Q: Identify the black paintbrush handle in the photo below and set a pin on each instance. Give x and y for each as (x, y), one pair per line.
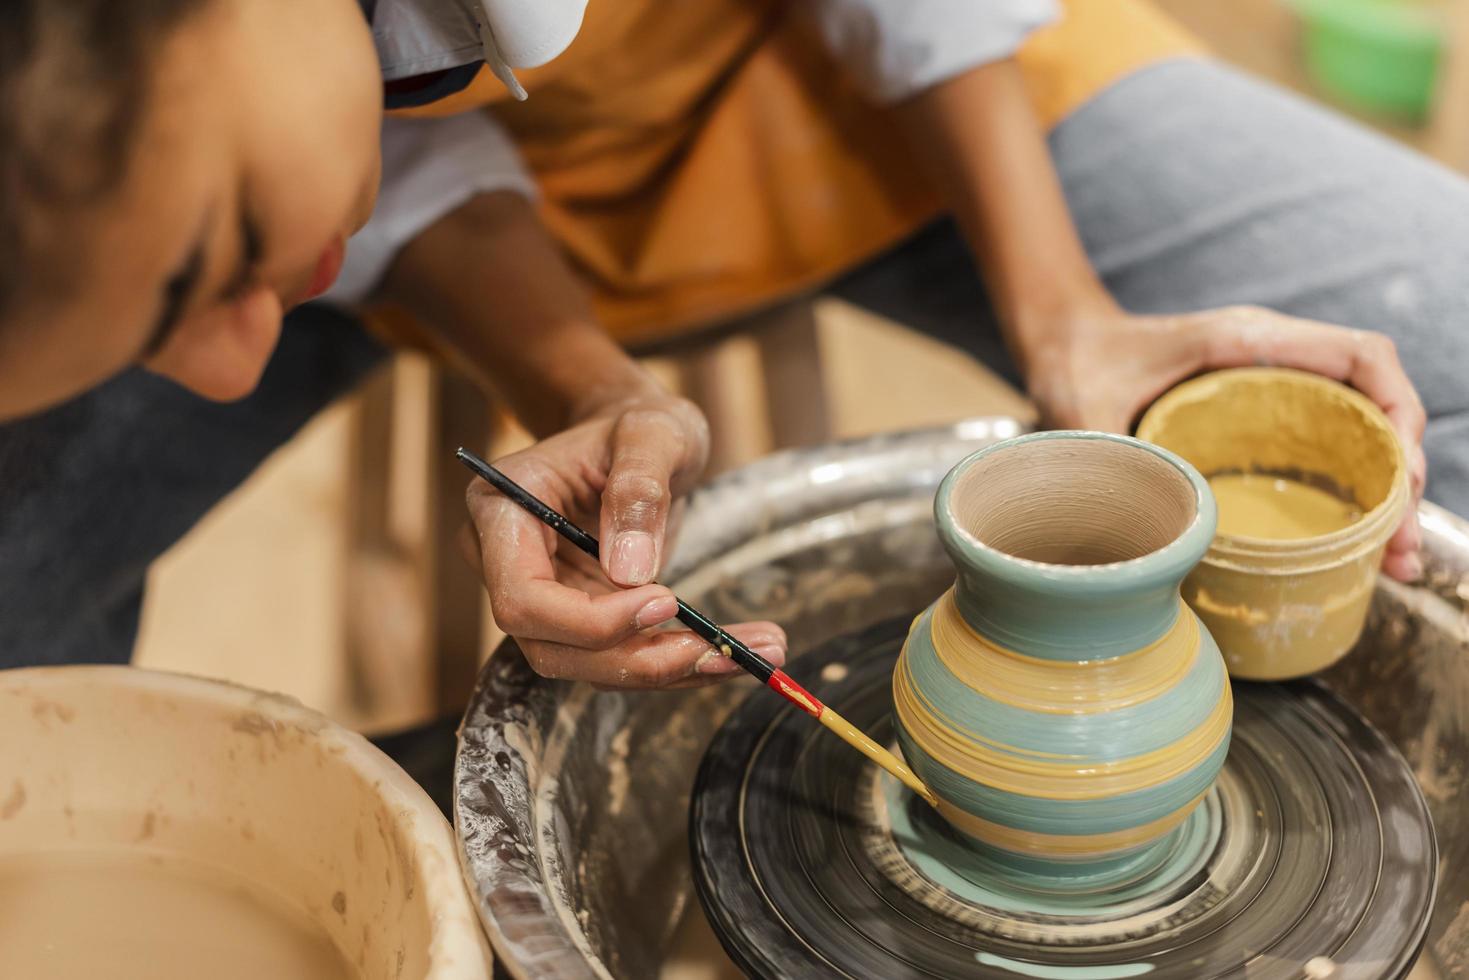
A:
(716, 637)
(706, 628)
(530, 502)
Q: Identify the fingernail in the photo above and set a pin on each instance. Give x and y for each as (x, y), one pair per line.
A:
(713, 662)
(775, 654)
(1414, 567)
(633, 555)
(657, 612)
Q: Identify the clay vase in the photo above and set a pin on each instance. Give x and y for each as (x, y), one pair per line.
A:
(1060, 699)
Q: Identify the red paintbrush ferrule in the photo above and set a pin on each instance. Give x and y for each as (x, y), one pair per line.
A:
(781, 683)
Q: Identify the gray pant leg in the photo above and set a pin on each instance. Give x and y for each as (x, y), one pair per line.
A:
(1193, 187)
(92, 491)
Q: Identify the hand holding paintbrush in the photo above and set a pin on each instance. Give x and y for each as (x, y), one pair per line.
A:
(728, 645)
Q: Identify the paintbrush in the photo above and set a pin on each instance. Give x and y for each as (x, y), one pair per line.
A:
(763, 670)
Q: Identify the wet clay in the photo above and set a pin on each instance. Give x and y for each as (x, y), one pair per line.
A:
(1257, 505)
(128, 913)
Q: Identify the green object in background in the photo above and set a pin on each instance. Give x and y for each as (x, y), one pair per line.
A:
(1377, 55)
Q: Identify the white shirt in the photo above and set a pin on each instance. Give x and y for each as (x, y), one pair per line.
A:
(893, 48)
(897, 48)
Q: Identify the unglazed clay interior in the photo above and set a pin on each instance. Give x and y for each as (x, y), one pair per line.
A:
(1073, 501)
(151, 806)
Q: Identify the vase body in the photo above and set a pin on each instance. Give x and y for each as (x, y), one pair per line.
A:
(1061, 700)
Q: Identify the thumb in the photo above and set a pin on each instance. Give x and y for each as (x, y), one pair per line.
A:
(647, 449)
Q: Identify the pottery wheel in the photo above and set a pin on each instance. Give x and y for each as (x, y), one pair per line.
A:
(1314, 855)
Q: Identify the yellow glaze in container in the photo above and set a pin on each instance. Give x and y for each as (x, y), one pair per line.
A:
(1283, 606)
(1261, 506)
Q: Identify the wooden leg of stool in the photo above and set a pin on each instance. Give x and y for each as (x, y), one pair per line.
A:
(383, 615)
(717, 378)
(454, 592)
(790, 355)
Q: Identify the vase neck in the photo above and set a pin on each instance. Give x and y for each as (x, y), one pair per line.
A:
(1066, 622)
(1072, 545)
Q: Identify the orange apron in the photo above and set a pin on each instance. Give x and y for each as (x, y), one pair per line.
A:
(702, 158)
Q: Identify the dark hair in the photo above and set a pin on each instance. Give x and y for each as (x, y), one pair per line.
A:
(74, 81)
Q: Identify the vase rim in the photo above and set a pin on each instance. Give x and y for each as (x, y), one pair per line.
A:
(1170, 561)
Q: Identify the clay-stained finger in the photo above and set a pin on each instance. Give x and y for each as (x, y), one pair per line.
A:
(1417, 472)
(1378, 373)
(584, 579)
(1368, 361)
(648, 448)
(687, 684)
(653, 661)
(1403, 560)
(528, 601)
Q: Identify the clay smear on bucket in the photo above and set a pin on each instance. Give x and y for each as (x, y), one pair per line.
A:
(130, 913)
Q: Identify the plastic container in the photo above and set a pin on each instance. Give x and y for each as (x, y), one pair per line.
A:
(1378, 55)
(271, 799)
(1286, 608)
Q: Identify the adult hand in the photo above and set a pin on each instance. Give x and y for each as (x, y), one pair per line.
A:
(619, 470)
(1101, 369)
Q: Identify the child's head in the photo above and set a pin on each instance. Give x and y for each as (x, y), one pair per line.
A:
(173, 173)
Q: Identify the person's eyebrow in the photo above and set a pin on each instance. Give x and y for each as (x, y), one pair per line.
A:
(183, 283)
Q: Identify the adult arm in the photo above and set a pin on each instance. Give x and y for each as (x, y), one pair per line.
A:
(1088, 363)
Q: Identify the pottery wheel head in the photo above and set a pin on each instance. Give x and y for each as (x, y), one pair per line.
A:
(1314, 846)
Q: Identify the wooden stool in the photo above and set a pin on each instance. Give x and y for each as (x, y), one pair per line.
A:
(408, 594)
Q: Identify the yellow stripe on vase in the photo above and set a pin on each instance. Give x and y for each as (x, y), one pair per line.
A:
(1062, 687)
(1059, 781)
(1049, 776)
